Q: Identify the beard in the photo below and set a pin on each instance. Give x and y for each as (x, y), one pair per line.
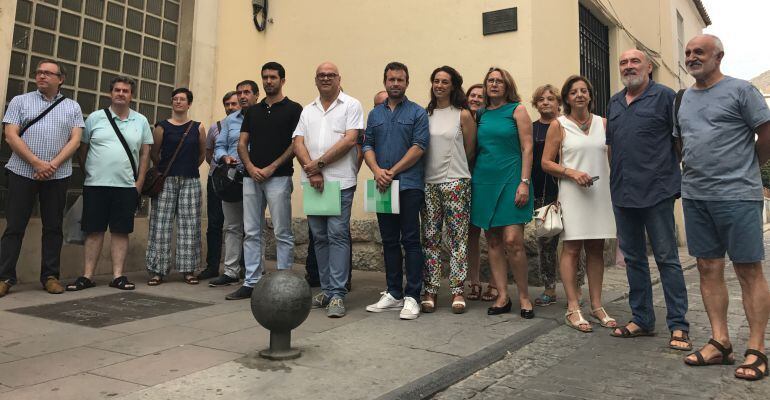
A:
(632, 81)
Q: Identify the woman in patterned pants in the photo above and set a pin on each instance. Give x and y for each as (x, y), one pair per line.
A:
(180, 198)
(447, 186)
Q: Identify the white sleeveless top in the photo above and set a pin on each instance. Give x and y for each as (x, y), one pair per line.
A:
(445, 159)
(586, 212)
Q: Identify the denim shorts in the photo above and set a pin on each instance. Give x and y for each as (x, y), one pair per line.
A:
(732, 226)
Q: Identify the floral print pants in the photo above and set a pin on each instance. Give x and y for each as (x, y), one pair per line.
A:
(447, 205)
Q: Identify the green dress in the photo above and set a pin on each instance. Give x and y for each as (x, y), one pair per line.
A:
(497, 173)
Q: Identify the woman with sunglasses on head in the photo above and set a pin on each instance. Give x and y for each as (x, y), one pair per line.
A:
(501, 201)
(584, 195)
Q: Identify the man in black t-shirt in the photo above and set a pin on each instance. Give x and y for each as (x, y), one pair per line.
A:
(265, 150)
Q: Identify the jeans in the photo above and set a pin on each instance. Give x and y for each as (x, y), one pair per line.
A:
(233, 213)
(311, 262)
(399, 230)
(332, 246)
(52, 195)
(659, 223)
(214, 230)
(274, 193)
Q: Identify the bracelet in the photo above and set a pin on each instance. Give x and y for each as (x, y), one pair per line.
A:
(564, 172)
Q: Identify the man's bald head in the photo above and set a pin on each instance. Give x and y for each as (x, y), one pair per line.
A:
(703, 56)
(380, 97)
(327, 80)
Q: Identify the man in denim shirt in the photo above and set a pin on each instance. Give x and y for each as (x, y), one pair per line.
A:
(644, 182)
(226, 152)
(396, 137)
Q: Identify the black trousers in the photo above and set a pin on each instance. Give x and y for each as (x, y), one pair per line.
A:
(214, 229)
(52, 195)
(311, 263)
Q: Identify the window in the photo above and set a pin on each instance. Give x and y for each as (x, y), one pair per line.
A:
(595, 58)
(97, 40)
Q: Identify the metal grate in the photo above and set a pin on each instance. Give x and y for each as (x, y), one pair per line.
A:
(96, 40)
(595, 58)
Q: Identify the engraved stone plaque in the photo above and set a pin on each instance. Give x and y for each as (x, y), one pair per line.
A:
(499, 21)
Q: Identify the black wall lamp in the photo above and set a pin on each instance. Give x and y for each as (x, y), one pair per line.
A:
(259, 8)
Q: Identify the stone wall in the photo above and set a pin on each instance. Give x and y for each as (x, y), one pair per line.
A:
(367, 248)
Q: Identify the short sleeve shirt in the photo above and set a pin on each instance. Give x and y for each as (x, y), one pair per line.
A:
(644, 169)
(322, 129)
(107, 163)
(47, 137)
(270, 129)
(718, 128)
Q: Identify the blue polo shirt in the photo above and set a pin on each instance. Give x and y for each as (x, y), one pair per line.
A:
(226, 143)
(643, 168)
(390, 134)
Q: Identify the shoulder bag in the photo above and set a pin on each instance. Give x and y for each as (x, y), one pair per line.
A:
(548, 219)
(153, 179)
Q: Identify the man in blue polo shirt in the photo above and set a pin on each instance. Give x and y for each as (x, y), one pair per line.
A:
(644, 183)
(396, 137)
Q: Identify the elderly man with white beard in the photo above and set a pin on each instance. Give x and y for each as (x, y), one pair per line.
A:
(645, 180)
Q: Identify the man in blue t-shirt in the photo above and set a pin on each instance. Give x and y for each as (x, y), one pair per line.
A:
(723, 199)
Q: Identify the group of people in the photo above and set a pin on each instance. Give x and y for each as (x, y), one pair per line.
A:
(467, 162)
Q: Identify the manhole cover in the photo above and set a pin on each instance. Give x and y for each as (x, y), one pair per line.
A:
(111, 309)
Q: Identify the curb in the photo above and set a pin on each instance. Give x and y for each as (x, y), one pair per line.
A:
(444, 377)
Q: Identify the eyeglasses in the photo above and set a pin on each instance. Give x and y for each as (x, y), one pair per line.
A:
(47, 74)
(495, 81)
(322, 77)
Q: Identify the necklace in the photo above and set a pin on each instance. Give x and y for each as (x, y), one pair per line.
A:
(584, 125)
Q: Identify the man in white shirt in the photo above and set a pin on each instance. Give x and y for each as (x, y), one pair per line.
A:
(325, 145)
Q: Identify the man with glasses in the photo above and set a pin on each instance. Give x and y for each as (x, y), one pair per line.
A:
(43, 130)
(325, 145)
(266, 152)
(226, 152)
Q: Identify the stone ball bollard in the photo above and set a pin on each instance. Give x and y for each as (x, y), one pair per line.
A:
(281, 301)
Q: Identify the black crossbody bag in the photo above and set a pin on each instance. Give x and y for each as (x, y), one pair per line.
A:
(42, 114)
(122, 141)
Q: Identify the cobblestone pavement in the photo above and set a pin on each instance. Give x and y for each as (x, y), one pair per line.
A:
(566, 364)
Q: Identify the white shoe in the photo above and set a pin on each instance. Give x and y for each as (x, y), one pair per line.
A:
(411, 309)
(386, 303)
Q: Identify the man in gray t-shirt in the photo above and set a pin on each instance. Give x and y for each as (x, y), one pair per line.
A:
(717, 121)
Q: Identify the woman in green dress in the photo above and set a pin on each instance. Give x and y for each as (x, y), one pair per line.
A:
(501, 203)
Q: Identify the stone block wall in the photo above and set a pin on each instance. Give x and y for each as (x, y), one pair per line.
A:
(367, 248)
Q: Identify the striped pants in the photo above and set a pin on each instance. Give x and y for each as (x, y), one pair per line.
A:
(180, 198)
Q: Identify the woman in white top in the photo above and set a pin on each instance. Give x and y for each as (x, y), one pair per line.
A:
(584, 194)
(447, 186)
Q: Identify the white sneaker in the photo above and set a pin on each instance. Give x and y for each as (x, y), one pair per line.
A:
(386, 303)
(411, 309)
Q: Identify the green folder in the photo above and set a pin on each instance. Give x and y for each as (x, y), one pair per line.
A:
(327, 202)
(386, 202)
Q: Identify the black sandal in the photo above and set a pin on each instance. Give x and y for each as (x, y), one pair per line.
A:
(626, 333)
(684, 338)
(80, 283)
(723, 359)
(122, 283)
(761, 359)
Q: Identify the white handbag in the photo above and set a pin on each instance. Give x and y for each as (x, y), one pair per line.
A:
(548, 221)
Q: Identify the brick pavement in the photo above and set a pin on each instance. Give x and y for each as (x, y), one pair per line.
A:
(566, 364)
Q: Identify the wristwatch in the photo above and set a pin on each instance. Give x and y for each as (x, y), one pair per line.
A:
(525, 180)
(321, 164)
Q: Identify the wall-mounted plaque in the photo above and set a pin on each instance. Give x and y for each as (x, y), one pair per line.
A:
(499, 21)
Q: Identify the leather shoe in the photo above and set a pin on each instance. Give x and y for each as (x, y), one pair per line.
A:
(500, 310)
(53, 286)
(527, 314)
(243, 292)
(4, 288)
(208, 274)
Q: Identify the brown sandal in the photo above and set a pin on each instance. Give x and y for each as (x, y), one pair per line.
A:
(475, 293)
(488, 295)
(154, 281)
(458, 303)
(758, 374)
(719, 359)
(191, 280)
(428, 303)
(685, 337)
